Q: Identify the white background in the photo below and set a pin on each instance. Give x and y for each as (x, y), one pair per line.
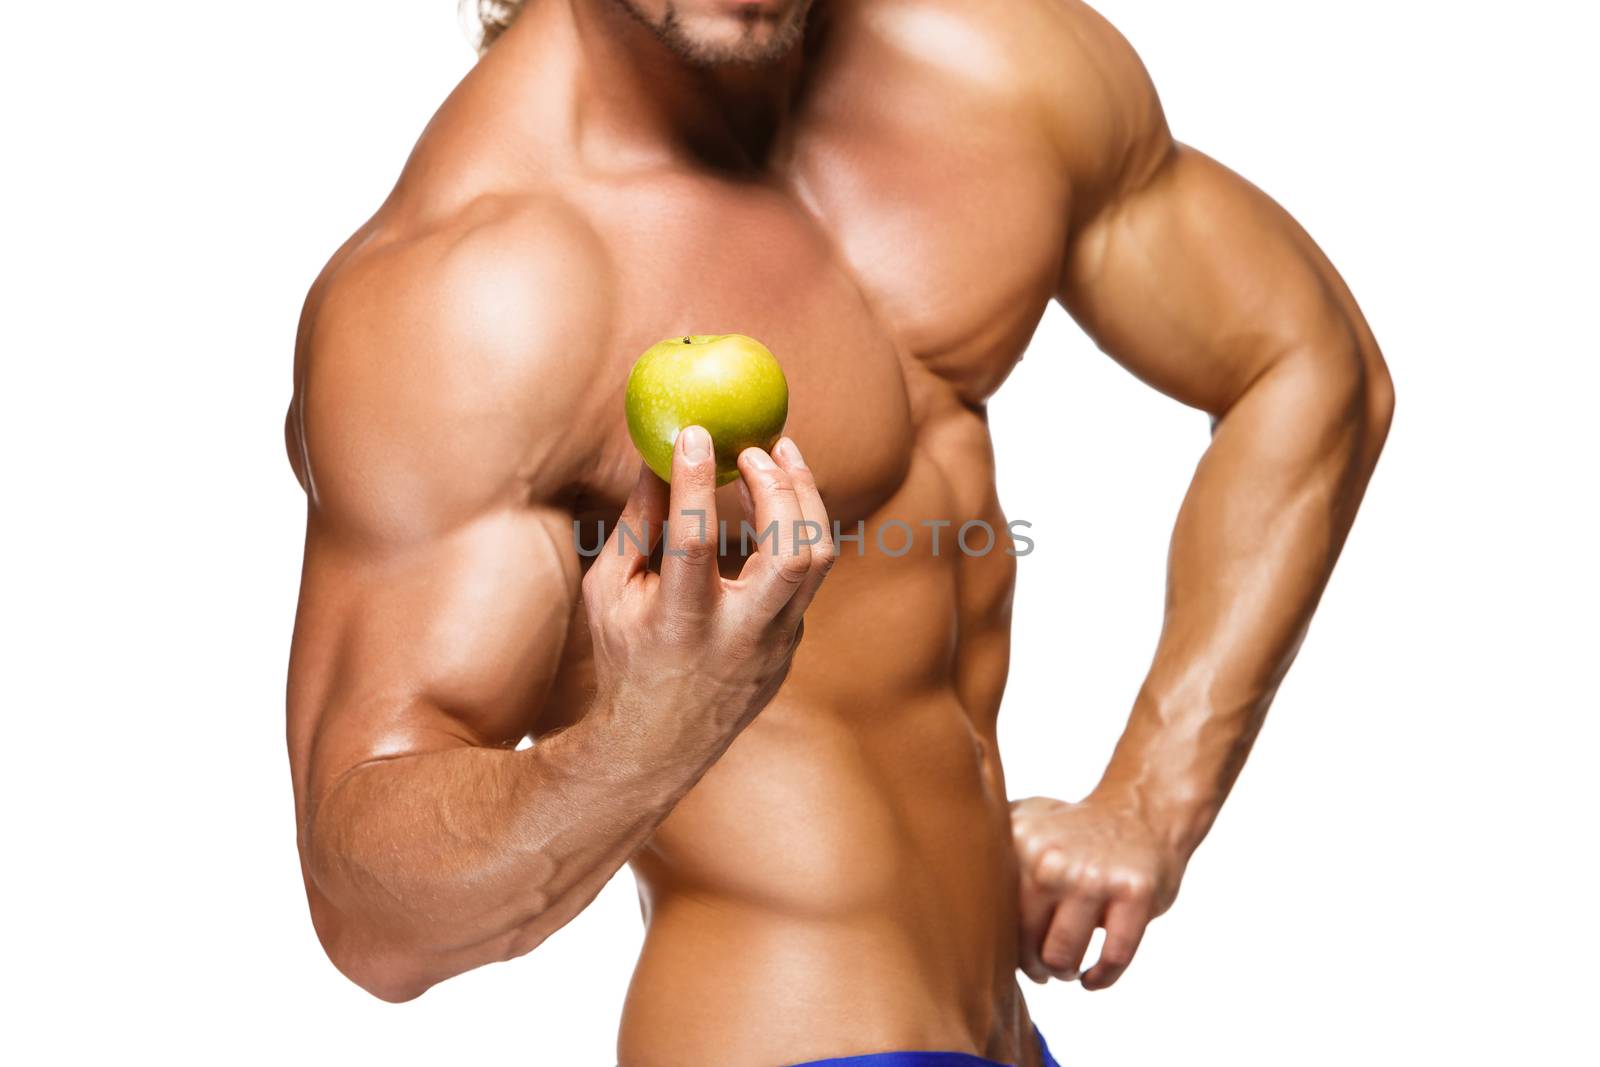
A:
(1405, 873)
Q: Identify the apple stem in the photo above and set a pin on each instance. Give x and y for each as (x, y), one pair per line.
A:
(688, 340)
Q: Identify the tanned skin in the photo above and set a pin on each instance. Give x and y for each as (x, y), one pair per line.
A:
(827, 858)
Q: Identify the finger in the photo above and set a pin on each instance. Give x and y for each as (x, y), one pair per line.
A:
(747, 503)
(1125, 923)
(1067, 940)
(1030, 844)
(689, 578)
(778, 567)
(626, 552)
(1035, 909)
(815, 529)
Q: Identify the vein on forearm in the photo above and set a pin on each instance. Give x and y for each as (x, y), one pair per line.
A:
(1254, 544)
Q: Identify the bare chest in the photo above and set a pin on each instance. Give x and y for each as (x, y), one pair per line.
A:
(891, 290)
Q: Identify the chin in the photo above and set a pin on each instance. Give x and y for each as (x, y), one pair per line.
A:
(721, 32)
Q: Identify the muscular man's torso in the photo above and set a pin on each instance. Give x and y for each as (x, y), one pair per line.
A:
(844, 876)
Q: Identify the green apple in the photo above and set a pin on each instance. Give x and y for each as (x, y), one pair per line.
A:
(727, 382)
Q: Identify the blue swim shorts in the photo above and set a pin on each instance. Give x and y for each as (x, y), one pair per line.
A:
(927, 1059)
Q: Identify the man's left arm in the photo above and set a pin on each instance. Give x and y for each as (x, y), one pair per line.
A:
(1204, 288)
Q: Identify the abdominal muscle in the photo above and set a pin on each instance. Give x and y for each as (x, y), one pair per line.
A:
(843, 880)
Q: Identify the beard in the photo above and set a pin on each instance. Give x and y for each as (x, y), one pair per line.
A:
(758, 43)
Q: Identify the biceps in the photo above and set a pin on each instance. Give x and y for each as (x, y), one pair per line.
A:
(1198, 282)
(445, 644)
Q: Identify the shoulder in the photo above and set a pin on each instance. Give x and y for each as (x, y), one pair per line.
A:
(1055, 66)
(439, 365)
(1100, 103)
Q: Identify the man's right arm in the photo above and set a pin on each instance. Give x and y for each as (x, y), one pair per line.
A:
(439, 581)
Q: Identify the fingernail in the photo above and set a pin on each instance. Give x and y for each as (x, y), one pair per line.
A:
(759, 459)
(696, 444)
(790, 452)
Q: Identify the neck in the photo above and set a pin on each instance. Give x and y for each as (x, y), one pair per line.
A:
(635, 93)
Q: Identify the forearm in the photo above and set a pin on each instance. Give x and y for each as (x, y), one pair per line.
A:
(1255, 542)
(437, 863)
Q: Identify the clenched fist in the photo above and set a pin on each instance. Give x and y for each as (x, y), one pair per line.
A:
(1087, 865)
